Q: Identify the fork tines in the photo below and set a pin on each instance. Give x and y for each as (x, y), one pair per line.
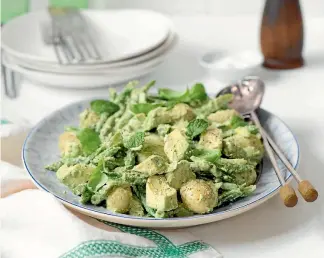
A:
(71, 37)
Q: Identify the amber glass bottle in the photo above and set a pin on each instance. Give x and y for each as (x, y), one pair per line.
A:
(282, 34)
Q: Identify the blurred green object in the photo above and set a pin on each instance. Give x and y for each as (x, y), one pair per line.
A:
(69, 3)
(13, 8)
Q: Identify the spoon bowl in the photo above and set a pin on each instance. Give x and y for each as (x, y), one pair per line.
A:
(248, 94)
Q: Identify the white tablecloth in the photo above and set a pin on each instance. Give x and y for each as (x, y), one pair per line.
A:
(35, 224)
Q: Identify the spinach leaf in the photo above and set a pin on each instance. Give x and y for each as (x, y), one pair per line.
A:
(196, 127)
(103, 106)
(86, 196)
(238, 121)
(253, 129)
(172, 94)
(111, 163)
(208, 155)
(136, 140)
(198, 92)
(143, 107)
(97, 178)
(89, 140)
(234, 193)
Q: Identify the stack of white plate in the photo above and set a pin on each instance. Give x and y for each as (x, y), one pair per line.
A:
(132, 42)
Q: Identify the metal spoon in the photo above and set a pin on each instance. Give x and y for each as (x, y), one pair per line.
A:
(247, 98)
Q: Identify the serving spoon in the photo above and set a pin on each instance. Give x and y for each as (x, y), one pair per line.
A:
(248, 95)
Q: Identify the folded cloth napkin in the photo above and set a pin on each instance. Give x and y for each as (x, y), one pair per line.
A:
(34, 224)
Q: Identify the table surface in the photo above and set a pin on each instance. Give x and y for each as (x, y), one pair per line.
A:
(296, 96)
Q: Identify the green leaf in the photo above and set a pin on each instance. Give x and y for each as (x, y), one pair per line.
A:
(237, 121)
(136, 140)
(86, 196)
(140, 192)
(233, 192)
(89, 140)
(198, 92)
(208, 155)
(253, 129)
(111, 163)
(103, 106)
(169, 94)
(196, 127)
(143, 107)
(97, 178)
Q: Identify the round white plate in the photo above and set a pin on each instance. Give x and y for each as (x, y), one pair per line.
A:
(119, 34)
(100, 68)
(41, 149)
(80, 81)
(86, 80)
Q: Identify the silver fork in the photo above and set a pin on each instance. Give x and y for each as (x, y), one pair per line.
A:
(51, 36)
(81, 25)
(74, 36)
(9, 79)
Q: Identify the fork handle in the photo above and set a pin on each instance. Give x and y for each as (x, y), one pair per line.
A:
(9, 80)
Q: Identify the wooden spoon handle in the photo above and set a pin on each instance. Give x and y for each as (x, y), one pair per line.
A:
(288, 195)
(307, 190)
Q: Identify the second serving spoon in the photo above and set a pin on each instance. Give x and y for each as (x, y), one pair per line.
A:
(247, 98)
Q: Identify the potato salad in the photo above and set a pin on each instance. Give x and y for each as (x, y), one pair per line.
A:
(170, 154)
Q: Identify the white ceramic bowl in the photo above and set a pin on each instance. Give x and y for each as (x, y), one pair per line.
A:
(84, 81)
(119, 34)
(99, 69)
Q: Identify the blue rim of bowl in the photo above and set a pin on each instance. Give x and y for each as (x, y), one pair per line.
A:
(123, 216)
